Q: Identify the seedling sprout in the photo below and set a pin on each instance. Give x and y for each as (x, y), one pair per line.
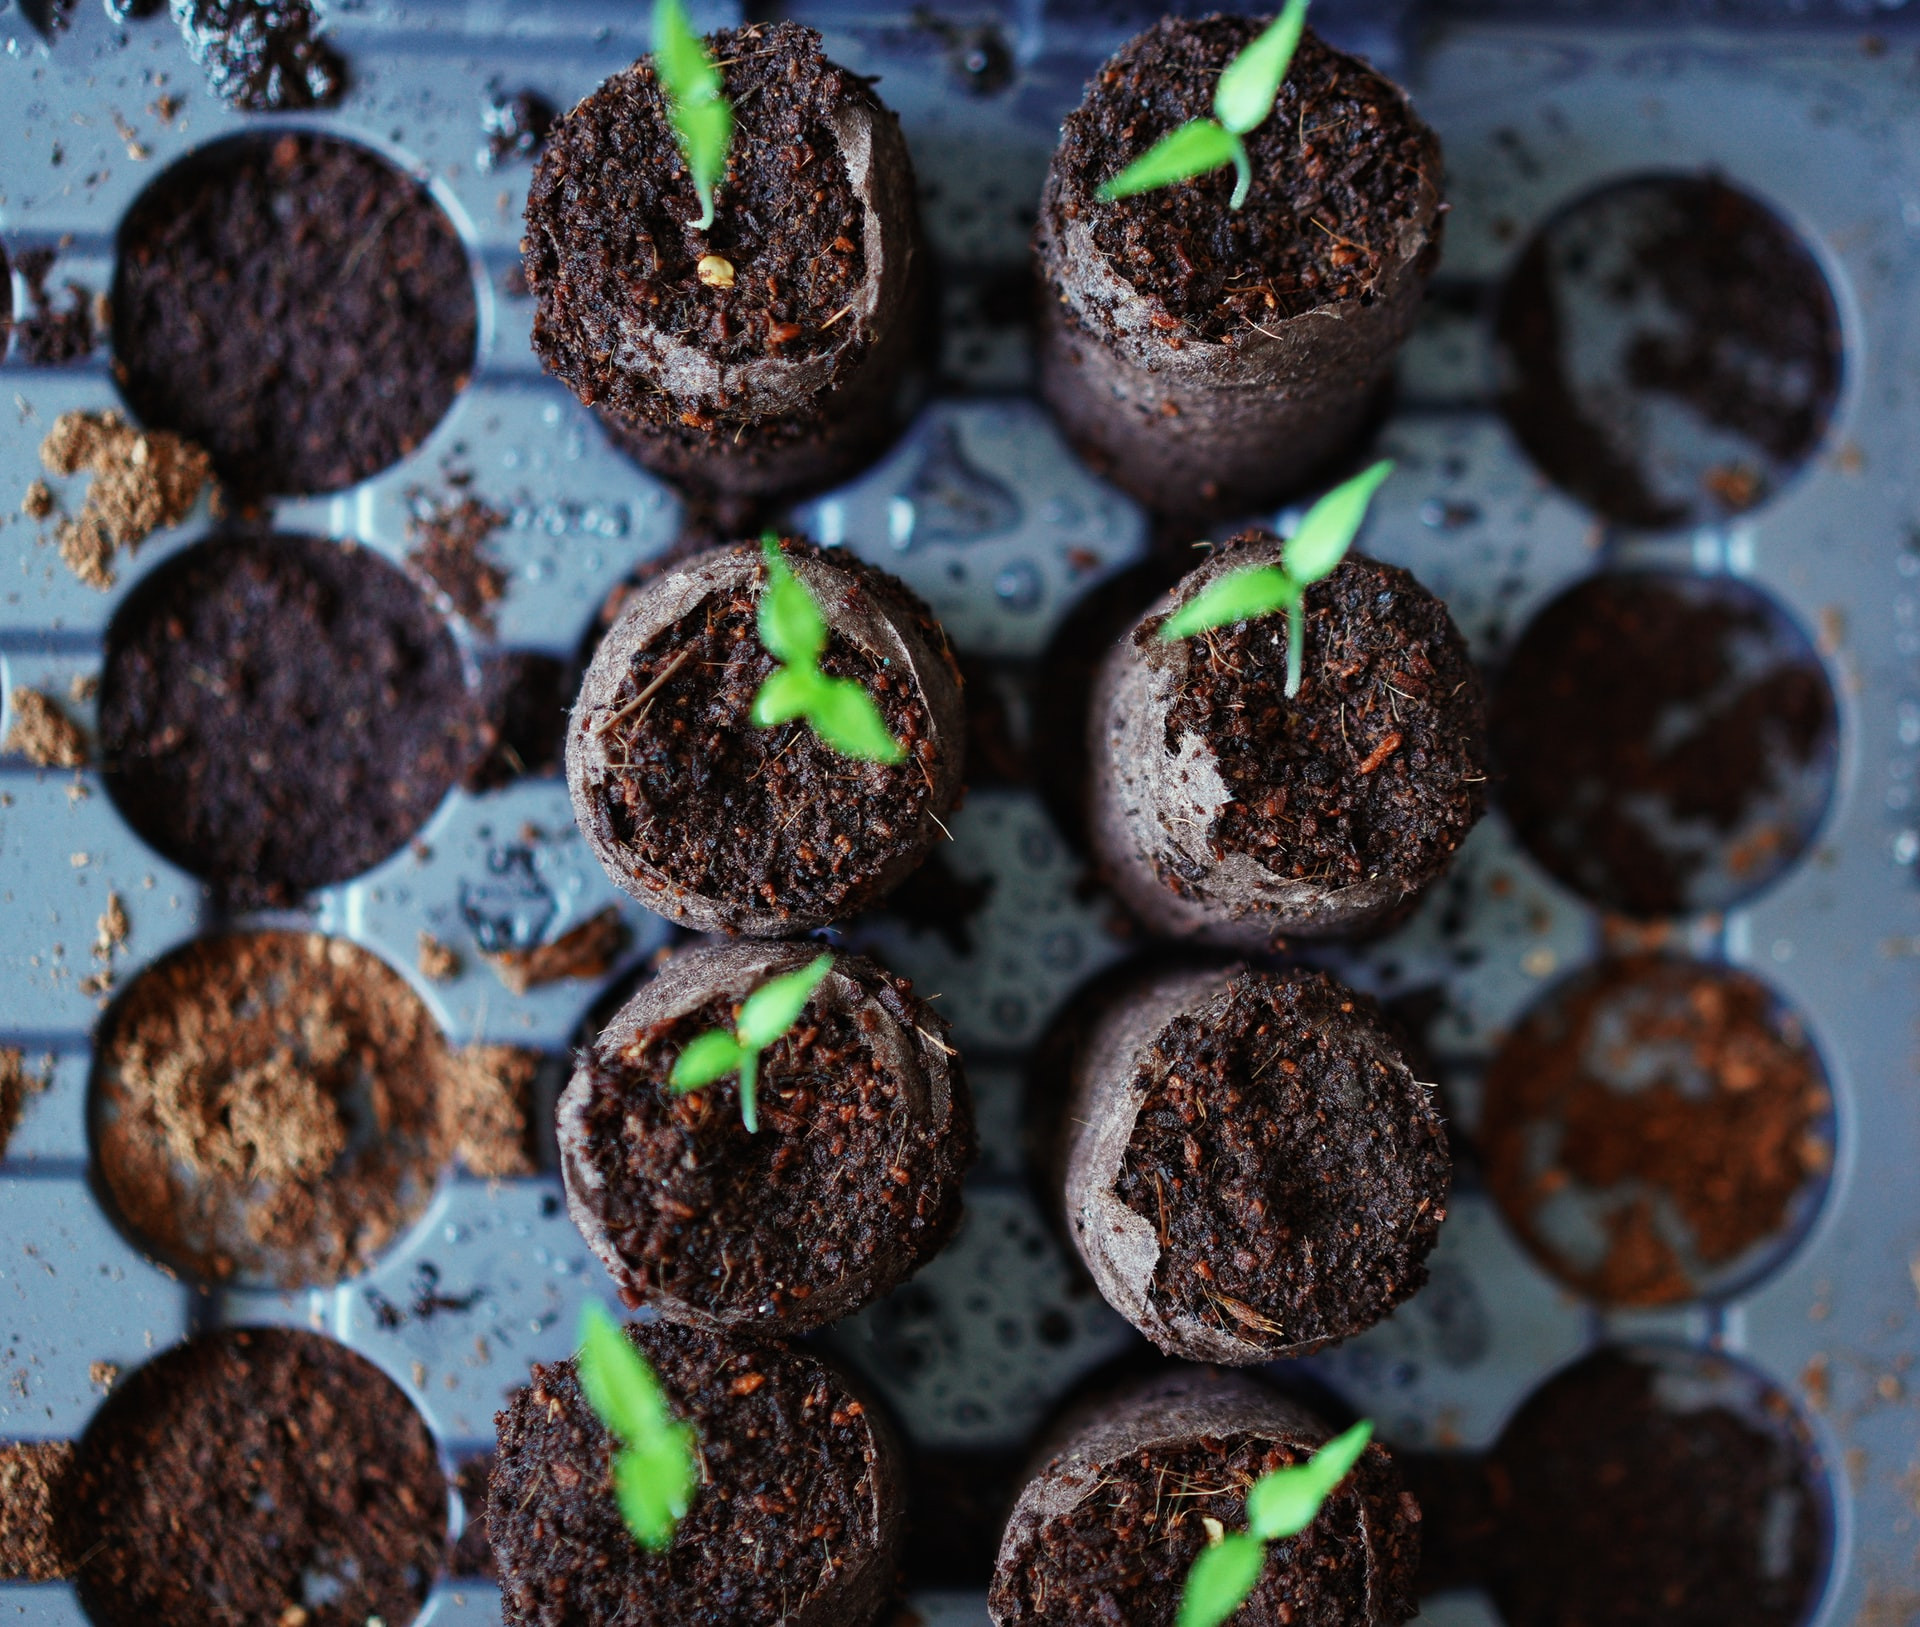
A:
(702, 117)
(768, 1012)
(657, 1467)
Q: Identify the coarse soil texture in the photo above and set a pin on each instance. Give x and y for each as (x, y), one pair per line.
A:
(1296, 1181)
(1681, 1106)
(257, 1476)
(789, 1498)
(297, 306)
(1339, 167)
(281, 713)
(1377, 766)
(266, 1107)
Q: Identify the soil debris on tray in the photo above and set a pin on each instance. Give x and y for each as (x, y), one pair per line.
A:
(109, 938)
(447, 539)
(586, 951)
(34, 1481)
(17, 1088)
(43, 734)
(487, 1102)
(263, 56)
(142, 480)
(514, 125)
(56, 333)
(438, 962)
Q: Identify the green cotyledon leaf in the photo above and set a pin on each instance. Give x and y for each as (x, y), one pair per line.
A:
(1285, 1502)
(1220, 1580)
(1194, 149)
(776, 1005)
(1251, 82)
(790, 624)
(1254, 590)
(1315, 550)
(656, 1468)
(713, 1055)
(845, 716)
(702, 119)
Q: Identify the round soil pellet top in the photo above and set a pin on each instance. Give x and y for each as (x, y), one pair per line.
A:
(1654, 1129)
(1667, 743)
(281, 713)
(1670, 351)
(1657, 1488)
(1340, 169)
(796, 1501)
(254, 1477)
(1296, 1181)
(297, 306)
(1376, 767)
(266, 1107)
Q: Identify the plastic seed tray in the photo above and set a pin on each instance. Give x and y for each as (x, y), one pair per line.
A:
(981, 508)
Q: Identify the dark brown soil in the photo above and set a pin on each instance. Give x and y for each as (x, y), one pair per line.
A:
(788, 1499)
(1377, 766)
(281, 713)
(1634, 705)
(1297, 1185)
(257, 1476)
(838, 1175)
(60, 328)
(297, 306)
(1337, 167)
(728, 809)
(262, 55)
(1621, 1506)
(1654, 1088)
(609, 212)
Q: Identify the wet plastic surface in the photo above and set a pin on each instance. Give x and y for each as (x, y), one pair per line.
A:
(982, 510)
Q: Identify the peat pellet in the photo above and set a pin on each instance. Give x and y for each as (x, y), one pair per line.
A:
(1224, 811)
(1252, 1171)
(764, 353)
(1109, 1527)
(851, 1182)
(1209, 359)
(797, 1518)
(721, 825)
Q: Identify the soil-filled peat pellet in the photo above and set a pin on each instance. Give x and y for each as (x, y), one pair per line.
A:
(1108, 1529)
(763, 354)
(1226, 812)
(1209, 359)
(851, 1182)
(1251, 1169)
(796, 1520)
(257, 1476)
(722, 825)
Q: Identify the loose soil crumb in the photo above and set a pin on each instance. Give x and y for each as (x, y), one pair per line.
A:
(54, 334)
(43, 734)
(103, 1375)
(487, 1103)
(35, 1477)
(255, 1477)
(262, 55)
(38, 502)
(142, 480)
(109, 937)
(447, 539)
(1685, 1111)
(269, 1107)
(588, 950)
(17, 1088)
(437, 962)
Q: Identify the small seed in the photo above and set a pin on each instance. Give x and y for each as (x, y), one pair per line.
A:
(715, 271)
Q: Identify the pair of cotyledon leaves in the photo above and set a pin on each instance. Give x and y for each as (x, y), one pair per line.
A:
(765, 1015)
(1242, 99)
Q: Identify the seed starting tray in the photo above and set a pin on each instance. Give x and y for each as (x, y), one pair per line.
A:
(982, 510)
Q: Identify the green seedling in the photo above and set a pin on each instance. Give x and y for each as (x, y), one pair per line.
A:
(768, 1013)
(1249, 85)
(1314, 551)
(1281, 1504)
(794, 632)
(702, 117)
(657, 1467)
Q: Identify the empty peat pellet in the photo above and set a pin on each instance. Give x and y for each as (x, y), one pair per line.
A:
(847, 1181)
(1138, 1486)
(1205, 358)
(1251, 1170)
(796, 1517)
(721, 824)
(1226, 811)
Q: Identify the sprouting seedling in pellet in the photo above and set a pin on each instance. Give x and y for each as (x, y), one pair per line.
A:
(1242, 100)
(702, 117)
(1313, 552)
(656, 1467)
(1281, 1504)
(767, 1013)
(839, 710)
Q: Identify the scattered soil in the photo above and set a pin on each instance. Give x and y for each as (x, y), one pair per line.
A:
(262, 55)
(297, 306)
(1630, 1497)
(797, 1497)
(57, 332)
(438, 962)
(1321, 222)
(34, 1481)
(608, 225)
(38, 501)
(281, 713)
(515, 126)
(524, 698)
(1687, 1111)
(142, 480)
(267, 1107)
(447, 539)
(255, 1476)
(1377, 766)
(43, 734)
(109, 939)
(1649, 727)
(17, 1088)
(586, 951)
(1297, 1182)
(486, 1104)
